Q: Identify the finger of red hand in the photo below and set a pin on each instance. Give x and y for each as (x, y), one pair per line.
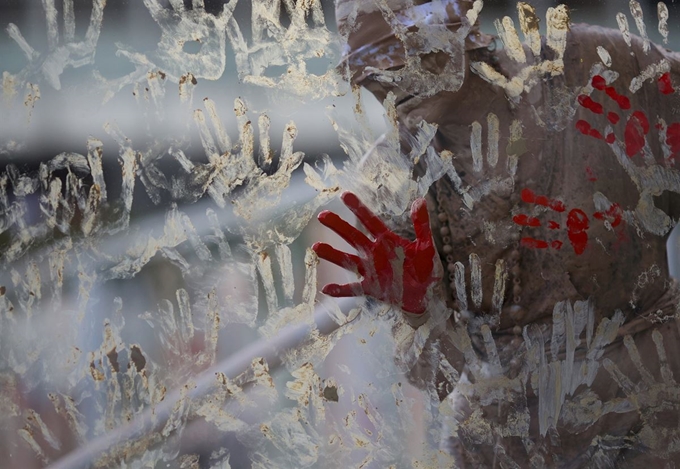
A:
(339, 258)
(413, 305)
(341, 291)
(370, 220)
(421, 220)
(346, 231)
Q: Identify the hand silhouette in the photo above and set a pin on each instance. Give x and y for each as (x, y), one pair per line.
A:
(394, 269)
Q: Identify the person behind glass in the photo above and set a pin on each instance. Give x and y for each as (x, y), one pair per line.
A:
(575, 237)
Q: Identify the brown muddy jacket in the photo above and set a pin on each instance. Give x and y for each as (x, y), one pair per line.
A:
(583, 226)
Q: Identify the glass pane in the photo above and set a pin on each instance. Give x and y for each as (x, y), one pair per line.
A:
(385, 233)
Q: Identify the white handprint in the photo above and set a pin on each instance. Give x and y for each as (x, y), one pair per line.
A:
(503, 183)
(276, 45)
(475, 290)
(532, 70)
(235, 164)
(61, 52)
(422, 30)
(179, 26)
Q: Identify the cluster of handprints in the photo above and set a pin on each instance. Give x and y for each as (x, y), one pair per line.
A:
(57, 260)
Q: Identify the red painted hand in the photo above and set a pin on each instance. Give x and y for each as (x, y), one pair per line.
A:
(637, 126)
(394, 269)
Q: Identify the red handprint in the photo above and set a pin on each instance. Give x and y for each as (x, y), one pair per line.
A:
(650, 177)
(525, 220)
(394, 269)
(637, 126)
(577, 222)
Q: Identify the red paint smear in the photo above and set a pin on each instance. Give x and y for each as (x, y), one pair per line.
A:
(621, 238)
(599, 82)
(524, 220)
(673, 137)
(553, 225)
(588, 103)
(665, 86)
(530, 197)
(614, 213)
(634, 135)
(611, 92)
(613, 117)
(556, 205)
(611, 138)
(534, 243)
(642, 118)
(585, 128)
(590, 173)
(622, 101)
(557, 244)
(577, 224)
(594, 133)
(542, 200)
